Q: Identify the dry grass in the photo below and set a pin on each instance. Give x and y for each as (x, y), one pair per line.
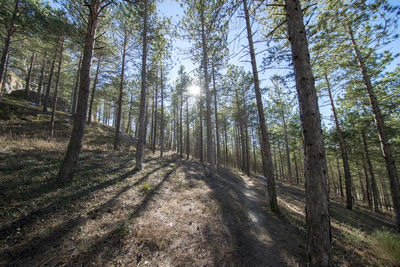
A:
(170, 213)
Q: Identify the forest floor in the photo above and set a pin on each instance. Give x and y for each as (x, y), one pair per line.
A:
(170, 213)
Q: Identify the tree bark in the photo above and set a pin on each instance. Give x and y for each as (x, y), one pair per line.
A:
(210, 143)
(264, 137)
(96, 77)
(340, 178)
(41, 78)
(29, 75)
(201, 153)
(121, 92)
(4, 80)
(216, 119)
(54, 107)
(367, 182)
(155, 119)
(75, 143)
(181, 122)
(141, 119)
(343, 150)
(162, 115)
(285, 134)
(46, 97)
(316, 187)
(7, 41)
(374, 187)
(380, 124)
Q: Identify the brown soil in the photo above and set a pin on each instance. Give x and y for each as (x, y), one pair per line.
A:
(171, 213)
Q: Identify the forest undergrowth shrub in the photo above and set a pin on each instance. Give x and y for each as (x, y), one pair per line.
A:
(386, 244)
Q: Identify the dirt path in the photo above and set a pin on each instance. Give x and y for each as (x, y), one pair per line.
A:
(171, 213)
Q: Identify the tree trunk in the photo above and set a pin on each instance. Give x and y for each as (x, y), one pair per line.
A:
(7, 41)
(296, 169)
(75, 143)
(155, 119)
(181, 123)
(29, 75)
(367, 182)
(340, 178)
(210, 144)
(316, 187)
(216, 119)
(121, 91)
(201, 153)
(41, 78)
(285, 134)
(364, 194)
(54, 107)
(4, 80)
(380, 124)
(146, 120)
(75, 92)
(343, 150)
(187, 129)
(46, 97)
(268, 170)
(96, 77)
(162, 115)
(129, 126)
(142, 130)
(374, 187)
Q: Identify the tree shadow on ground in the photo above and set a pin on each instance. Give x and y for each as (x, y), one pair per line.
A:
(28, 251)
(260, 238)
(107, 247)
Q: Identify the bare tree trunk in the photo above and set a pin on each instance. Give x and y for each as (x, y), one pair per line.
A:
(187, 129)
(10, 31)
(129, 126)
(374, 187)
(285, 134)
(41, 78)
(363, 194)
(380, 124)
(155, 120)
(121, 91)
(4, 80)
(367, 182)
(75, 143)
(181, 123)
(342, 146)
(28, 76)
(201, 153)
(146, 120)
(54, 107)
(162, 115)
(296, 169)
(142, 130)
(46, 97)
(96, 77)
(340, 178)
(75, 92)
(216, 119)
(210, 144)
(268, 170)
(317, 212)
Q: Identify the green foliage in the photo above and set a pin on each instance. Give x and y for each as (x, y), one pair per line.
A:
(145, 188)
(387, 245)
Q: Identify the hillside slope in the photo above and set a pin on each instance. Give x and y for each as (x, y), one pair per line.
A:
(171, 213)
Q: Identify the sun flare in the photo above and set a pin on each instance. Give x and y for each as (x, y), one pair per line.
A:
(194, 90)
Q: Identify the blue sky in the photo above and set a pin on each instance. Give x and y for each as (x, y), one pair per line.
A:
(173, 10)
